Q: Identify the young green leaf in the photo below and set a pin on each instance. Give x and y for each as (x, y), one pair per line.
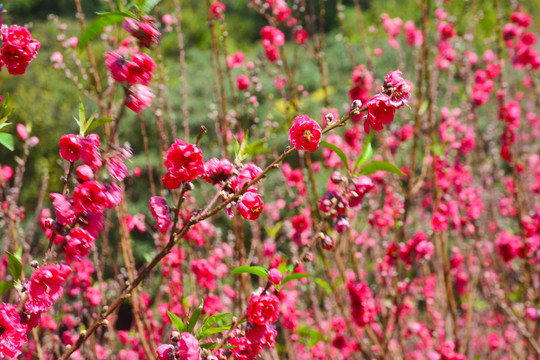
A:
(367, 151)
(255, 270)
(212, 331)
(101, 22)
(148, 5)
(211, 321)
(374, 166)
(210, 345)
(324, 284)
(82, 117)
(294, 277)
(7, 140)
(194, 318)
(15, 266)
(339, 152)
(5, 286)
(178, 324)
(91, 125)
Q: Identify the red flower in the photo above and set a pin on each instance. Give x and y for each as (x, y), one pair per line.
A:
(184, 161)
(13, 335)
(380, 111)
(263, 309)
(89, 151)
(247, 174)
(275, 276)
(243, 349)
(161, 211)
(300, 36)
(144, 31)
(217, 9)
(236, 60)
(272, 36)
(18, 49)
(115, 63)
(361, 186)
(242, 82)
(45, 287)
(217, 170)
(165, 352)
(140, 97)
(397, 88)
(64, 213)
(188, 347)
(70, 147)
(90, 196)
(362, 303)
(439, 221)
(250, 205)
(78, 244)
(139, 69)
(204, 272)
(305, 134)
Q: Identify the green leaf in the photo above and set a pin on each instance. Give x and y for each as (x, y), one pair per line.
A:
(178, 324)
(367, 151)
(282, 267)
(214, 330)
(255, 147)
(96, 123)
(255, 270)
(212, 320)
(210, 345)
(7, 140)
(194, 318)
(148, 5)
(5, 286)
(339, 152)
(19, 251)
(101, 22)
(294, 277)
(236, 147)
(374, 166)
(82, 117)
(324, 284)
(15, 266)
(4, 124)
(273, 231)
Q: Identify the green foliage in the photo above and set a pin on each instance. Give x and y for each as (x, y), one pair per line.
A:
(101, 22)
(295, 276)
(15, 266)
(339, 152)
(194, 318)
(255, 270)
(367, 152)
(374, 166)
(177, 323)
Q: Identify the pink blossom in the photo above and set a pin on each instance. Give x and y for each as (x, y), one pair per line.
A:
(45, 287)
(184, 161)
(188, 347)
(78, 244)
(380, 111)
(161, 212)
(140, 97)
(305, 134)
(218, 9)
(263, 309)
(13, 334)
(250, 205)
